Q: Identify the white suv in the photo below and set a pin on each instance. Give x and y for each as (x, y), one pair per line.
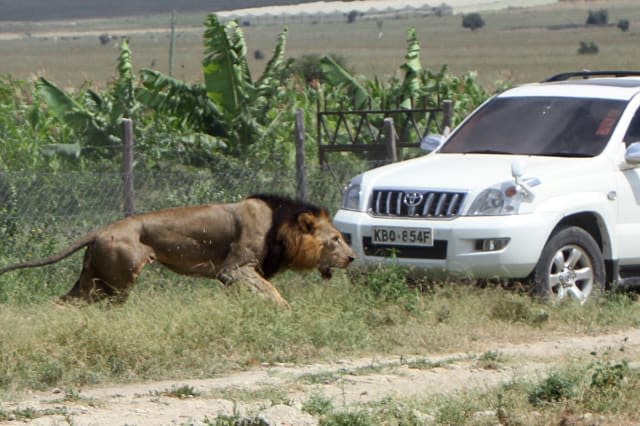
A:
(541, 182)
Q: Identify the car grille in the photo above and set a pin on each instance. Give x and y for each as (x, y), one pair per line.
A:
(417, 204)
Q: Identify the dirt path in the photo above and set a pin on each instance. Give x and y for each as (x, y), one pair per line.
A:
(346, 382)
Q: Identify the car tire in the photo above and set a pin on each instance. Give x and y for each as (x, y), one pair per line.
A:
(571, 265)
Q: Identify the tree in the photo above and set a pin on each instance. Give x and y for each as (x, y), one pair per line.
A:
(623, 25)
(351, 16)
(473, 21)
(598, 17)
(243, 102)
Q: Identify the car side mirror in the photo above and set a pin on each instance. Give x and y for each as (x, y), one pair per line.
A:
(431, 142)
(632, 154)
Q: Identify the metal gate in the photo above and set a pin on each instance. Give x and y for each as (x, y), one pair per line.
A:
(364, 131)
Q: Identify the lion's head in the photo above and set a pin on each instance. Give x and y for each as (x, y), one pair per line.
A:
(312, 241)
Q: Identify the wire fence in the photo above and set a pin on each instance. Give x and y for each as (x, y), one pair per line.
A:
(52, 209)
(42, 213)
(72, 203)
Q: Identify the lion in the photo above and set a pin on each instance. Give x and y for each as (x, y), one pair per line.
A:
(248, 241)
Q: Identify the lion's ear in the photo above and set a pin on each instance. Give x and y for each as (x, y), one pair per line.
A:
(307, 222)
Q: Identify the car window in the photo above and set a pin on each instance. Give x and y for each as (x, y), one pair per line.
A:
(633, 132)
(552, 126)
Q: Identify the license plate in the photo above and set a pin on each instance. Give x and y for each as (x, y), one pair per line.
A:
(403, 236)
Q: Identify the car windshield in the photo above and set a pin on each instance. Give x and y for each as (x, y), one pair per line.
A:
(550, 126)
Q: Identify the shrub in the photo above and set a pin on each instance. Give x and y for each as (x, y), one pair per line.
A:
(515, 310)
(184, 391)
(308, 66)
(352, 16)
(473, 21)
(557, 387)
(318, 405)
(623, 25)
(389, 283)
(589, 48)
(607, 378)
(598, 17)
(347, 419)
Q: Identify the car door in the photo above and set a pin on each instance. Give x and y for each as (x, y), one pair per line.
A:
(628, 198)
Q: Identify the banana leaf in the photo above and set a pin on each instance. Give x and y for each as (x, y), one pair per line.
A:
(338, 76)
(272, 74)
(123, 90)
(225, 69)
(165, 94)
(411, 85)
(66, 108)
(87, 124)
(59, 103)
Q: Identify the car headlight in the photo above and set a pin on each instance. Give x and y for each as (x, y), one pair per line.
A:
(504, 199)
(351, 197)
(490, 202)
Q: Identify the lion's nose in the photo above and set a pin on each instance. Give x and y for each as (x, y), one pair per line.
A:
(351, 258)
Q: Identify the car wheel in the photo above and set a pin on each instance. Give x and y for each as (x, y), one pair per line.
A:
(571, 265)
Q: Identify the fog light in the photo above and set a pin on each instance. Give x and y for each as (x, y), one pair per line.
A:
(491, 244)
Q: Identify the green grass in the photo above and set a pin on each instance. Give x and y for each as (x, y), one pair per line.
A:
(516, 45)
(177, 328)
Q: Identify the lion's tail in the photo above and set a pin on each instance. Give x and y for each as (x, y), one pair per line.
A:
(83, 242)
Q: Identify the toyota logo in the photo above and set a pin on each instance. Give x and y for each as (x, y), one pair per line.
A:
(412, 199)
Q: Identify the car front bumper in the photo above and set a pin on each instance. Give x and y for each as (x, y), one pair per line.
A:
(461, 246)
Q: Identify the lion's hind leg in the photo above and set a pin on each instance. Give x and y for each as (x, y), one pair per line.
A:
(109, 271)
(247, 275)
(88, 288)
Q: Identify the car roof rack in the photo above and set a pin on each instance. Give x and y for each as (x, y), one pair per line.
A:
(587, 74)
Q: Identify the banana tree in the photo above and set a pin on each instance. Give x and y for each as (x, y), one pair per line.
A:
(414, 88)
(187, 104)
(243, 102)
(380, 95)
(95, 119)
(230, 104)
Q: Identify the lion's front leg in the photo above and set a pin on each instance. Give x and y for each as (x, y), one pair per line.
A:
(248, 275)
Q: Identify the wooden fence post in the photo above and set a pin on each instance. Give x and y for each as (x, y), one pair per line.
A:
(127, 172)
(172, 42)
(301, 180)
(390, 140)
(321, 154)
(447, 114)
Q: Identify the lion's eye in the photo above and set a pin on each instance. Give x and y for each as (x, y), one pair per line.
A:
(336, 238)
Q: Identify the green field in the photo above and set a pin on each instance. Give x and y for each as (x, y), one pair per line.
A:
(516, 45)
